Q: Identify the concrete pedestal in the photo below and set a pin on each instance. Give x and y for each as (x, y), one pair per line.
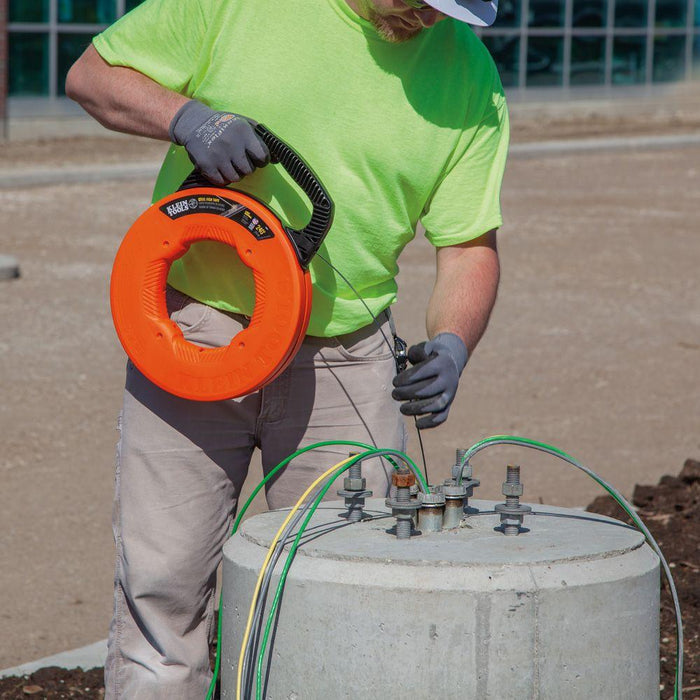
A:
(568, 610)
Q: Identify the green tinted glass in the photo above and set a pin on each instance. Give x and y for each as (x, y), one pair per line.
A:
(544, 61)
(590, 13)
(671, 13)
(29, 58)
(631, 13)
(546, 13)
(29, 11)
(508, 13)
(70, 46)
(86, 11)
(506, 53)
(629, 57)
(587, 60)
(669, 58)
(131, 4)
(696, 57)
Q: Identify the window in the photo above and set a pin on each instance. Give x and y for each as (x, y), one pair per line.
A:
(546, 13)
(535, 43)
(29, 58)
(506, 52)
(29, 10)
(86, 11)
(587, 60)
(594, 42)
(629, 60)
(47, 36)
(544, 61)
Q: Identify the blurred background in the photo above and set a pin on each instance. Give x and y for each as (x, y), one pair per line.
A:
(598, 46)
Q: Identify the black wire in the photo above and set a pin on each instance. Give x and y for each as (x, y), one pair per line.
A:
(391, 348)
(357, 294)
(251, 651)
(422, 451)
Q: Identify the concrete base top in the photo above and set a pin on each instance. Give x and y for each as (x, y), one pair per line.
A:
(549, 535)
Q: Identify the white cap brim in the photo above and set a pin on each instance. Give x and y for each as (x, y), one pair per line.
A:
(480, 13)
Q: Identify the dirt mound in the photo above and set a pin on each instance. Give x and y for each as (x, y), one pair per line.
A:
(671, 511)
(54, 682)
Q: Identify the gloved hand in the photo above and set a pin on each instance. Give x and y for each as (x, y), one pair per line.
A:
(429, 387)
(222, 145)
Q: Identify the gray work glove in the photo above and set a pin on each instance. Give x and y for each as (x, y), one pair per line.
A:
(429, 387)
(222, 145)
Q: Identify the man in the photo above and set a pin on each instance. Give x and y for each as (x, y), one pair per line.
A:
(399, 110)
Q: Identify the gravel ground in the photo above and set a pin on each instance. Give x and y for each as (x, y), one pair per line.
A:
(594, 347)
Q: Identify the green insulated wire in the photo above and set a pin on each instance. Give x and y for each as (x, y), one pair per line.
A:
(622, 502)
(292, 552)
(310, 509)
(295, 545)
(290, 557)
(273, 472)
(254, 642)
(236, 524)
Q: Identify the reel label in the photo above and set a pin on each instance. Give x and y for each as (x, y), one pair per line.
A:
(220, 206)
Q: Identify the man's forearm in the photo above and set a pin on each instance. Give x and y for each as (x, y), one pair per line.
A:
(465, 289)
(120, 98)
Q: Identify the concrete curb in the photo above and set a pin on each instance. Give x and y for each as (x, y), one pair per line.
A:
(32, 177)
(614, 143)
(87, 657)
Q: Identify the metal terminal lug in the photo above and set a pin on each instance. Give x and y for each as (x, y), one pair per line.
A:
(354, 492)
(401, 503)
(512, 512)
(455, 495)
(459, 469)
(432, 510)
(464, 471)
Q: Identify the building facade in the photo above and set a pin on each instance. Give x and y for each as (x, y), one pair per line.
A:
(558, 45)
(595, 43)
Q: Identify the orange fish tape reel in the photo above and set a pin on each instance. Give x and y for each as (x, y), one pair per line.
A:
(277, 255)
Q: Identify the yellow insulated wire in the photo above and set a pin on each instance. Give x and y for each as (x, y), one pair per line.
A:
(246, 635)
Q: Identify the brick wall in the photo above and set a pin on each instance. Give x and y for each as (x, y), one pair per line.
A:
(3, 68)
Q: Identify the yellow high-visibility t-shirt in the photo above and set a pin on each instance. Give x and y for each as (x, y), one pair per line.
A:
(397, 132)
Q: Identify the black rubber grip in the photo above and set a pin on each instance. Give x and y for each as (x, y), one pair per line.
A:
(308, 239)
(196, 179)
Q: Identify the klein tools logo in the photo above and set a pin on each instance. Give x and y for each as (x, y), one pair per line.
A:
(177, 208)
(220, 206)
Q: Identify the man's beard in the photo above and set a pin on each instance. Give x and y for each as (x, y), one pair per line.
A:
(391, 32)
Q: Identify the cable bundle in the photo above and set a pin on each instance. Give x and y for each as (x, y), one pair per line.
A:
(255, 638)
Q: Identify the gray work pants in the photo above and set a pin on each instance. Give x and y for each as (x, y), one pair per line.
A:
(180, 468)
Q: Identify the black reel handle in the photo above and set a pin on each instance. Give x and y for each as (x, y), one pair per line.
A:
(307, 240)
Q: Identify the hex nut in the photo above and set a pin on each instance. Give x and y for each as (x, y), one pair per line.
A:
(355, 484)
(432, 498)
(403, 478)
(512, 489)
(510, 519)
(455, 491)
